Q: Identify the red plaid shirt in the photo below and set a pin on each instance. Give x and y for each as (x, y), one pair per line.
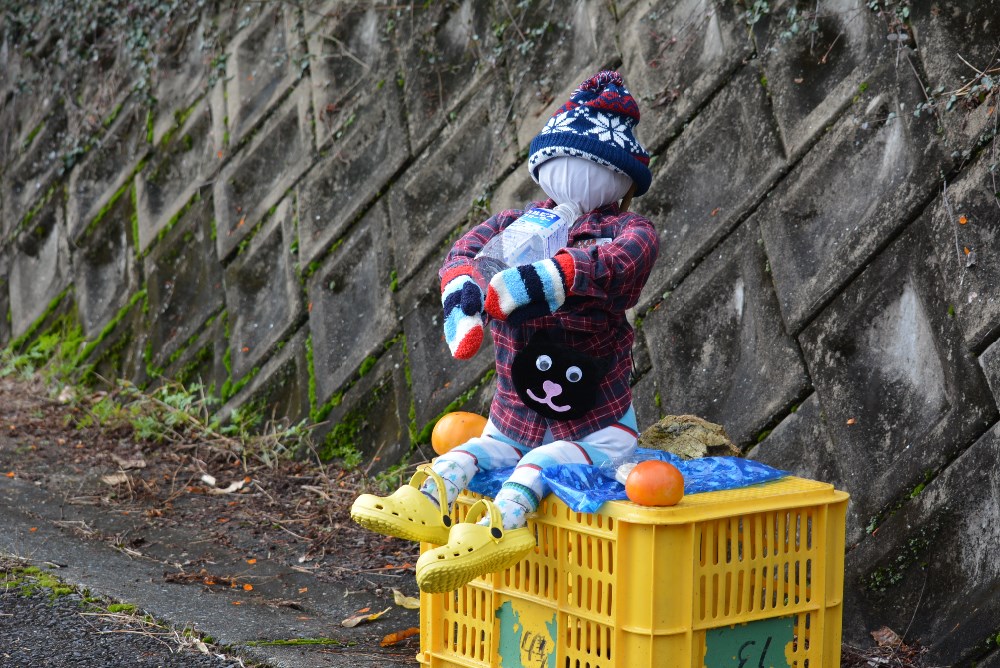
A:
(613, 254)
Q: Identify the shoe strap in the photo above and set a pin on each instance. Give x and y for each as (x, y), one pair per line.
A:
(482, 507)
(424, 471)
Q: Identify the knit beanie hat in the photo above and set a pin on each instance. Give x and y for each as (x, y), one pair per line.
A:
(597, 124)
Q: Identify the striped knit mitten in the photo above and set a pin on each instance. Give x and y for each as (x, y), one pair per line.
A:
(464, 319)
(530, 291)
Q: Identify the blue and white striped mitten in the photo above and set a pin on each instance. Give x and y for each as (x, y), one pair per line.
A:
(464, 319)
(532, 290)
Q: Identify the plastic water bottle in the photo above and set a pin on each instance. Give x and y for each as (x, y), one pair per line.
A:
(538, 234)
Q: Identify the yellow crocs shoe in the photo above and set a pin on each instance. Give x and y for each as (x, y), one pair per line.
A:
(473, 550)
(407, 513)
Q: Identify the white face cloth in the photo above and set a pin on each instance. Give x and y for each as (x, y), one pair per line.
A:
(582, 183)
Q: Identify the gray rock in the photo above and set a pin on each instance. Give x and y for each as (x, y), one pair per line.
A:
(990, 361)
(641, 361)
(104, 267)
(263, 297)
(351, 313)
(182, 166)
(733, 140)
(267, 167)
(263, 64)
(937, 29)
(801, 445)
(183, 66)
(120, 353)
(106, 170)
(814, 75)
(201, 361)
(964, 217)
(552, 55)
(352, 59)
(438, 191)
(931, 568)
(323, 10)
(33, 169)
(816, 236)
(280, 389)
(717, 345)
(184, 285)
(678, 56)
(900, 394)
(442, 64)
(366, 148)
(39, 267)
(688, 437)
(4, 296)
(372, 417)
(645, 401)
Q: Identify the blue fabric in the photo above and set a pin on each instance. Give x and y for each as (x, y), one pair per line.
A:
(585, 488)
(628, 420)
(451, 324)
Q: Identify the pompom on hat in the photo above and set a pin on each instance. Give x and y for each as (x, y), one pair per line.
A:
(597, 123)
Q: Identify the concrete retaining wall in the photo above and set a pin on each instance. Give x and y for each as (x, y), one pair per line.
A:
(258, 197)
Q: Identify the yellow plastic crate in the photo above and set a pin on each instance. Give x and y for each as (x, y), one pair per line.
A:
(749, 577)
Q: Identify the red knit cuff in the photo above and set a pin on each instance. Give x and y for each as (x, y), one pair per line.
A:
(454, 272)
(567, 267)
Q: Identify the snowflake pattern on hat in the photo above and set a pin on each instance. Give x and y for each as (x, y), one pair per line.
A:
(611, 128)
(596, 123)
(562, 123)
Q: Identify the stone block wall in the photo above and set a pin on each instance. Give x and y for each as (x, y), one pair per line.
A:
(257, 197)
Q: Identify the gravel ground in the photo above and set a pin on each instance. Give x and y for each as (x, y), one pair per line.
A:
(40, 628)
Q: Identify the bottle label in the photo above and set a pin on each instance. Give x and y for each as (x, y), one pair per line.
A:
(537, 234)
(532, 219)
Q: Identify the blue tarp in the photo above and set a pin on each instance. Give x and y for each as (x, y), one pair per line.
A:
(584, 488)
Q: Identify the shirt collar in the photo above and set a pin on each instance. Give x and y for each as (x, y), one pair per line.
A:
(587, 226)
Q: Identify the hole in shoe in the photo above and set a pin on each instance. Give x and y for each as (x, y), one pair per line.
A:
(379, 506)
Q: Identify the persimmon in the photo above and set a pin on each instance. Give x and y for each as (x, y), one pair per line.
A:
(655, 483)
(454, 429)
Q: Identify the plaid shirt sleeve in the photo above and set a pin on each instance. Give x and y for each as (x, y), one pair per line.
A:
(617, 270)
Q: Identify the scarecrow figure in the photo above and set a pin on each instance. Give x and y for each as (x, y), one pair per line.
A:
(563, 344)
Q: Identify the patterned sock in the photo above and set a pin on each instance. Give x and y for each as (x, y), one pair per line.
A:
(515, 501)
(456, 478)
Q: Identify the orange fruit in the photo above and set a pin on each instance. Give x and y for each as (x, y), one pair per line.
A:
(455, 429)
(655, 483)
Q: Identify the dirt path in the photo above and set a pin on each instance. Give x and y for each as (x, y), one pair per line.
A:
(276, 537)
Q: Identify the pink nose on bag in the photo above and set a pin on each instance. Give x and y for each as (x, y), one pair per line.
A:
(551, 389)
